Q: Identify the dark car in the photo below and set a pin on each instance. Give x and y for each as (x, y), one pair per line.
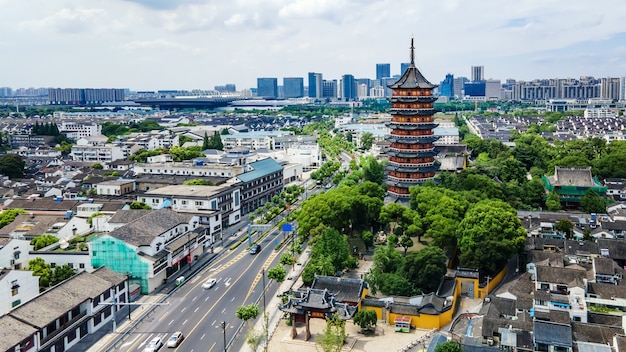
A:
(255, 249)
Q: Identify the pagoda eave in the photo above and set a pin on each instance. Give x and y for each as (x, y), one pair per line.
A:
(410, 126)
(412, 99)
(413, 112)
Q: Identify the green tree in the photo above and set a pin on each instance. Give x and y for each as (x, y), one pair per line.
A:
(277, 274)
(97, 166)
(553, 202)
(12, 165)
(449, 346)
(367, 140)
(406, 242)
(566, 227)
(7, 216)
(287, 259)
(592, 202)
(42, 269)
(61, 273)
(43, 241)
(373, 170)
(425, 269)
(334, 335)
(248, 312)
(489, 234)
(365, 319)
(198, 182)
(205, 142)
(368, 239)
(139, 205)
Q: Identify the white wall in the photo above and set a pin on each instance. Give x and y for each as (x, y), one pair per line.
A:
(28, 288)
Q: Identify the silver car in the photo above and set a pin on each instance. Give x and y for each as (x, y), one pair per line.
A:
(154, 345)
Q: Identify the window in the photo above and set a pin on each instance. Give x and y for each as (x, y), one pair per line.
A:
(16, 303)
(14, 290)
(81, 265)
(71, 336)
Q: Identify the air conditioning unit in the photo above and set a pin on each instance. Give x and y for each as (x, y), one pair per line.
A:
(489, 341)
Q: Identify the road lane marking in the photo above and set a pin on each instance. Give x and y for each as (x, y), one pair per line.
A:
(212, 346)
(195, 310)
(232, 299)
(171, 322)
(183, 309)
(206, 299)
(267, 263)
(202, 337)
(194, 298)
(185, 322)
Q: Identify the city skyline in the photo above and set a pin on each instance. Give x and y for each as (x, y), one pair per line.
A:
(199, 44)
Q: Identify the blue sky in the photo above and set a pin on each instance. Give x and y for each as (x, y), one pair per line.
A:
(197, 44)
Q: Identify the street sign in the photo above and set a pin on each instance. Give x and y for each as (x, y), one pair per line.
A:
(287, 227)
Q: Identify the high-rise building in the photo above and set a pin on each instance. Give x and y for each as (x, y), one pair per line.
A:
(493, 89)
(80, 96)
(315, 85)
(6, 92)
(403, 67)
(226, 88)
(478, 73)
(609, 88)
(293, 87)
(267, 88)
(412, 150)
(363, 86)
(383, 71)
(459, 86)
(348, 87)
(446, 88)
(329, 89)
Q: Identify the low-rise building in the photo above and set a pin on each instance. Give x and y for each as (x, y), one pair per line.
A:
(187, 168)
(115, 187)
(16, 287)
(261, 181)
(95, 149)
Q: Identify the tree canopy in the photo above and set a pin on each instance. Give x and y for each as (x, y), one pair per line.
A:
(12, 165)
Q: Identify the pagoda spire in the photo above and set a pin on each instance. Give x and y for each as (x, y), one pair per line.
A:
(412, 52)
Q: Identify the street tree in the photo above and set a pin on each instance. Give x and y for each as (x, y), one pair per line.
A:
(277, 274)
(366, 320)
(287, 259)
(205, 142)
(248, 312)
(367, 140)
(368, 239)
(334, 335)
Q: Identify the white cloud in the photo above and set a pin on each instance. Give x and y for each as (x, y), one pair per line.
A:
(67, 21)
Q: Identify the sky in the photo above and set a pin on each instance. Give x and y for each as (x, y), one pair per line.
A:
(198, 44)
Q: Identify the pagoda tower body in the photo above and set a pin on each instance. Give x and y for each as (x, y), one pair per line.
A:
(412, 150)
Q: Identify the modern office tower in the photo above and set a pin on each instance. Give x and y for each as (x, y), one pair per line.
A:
(267, 88)
(446, 88)
(474, 89)
(493, 89)
(79, 96)
(383, 71)
(412, 150)
(329, 89)
(315, 85)
(459, 86)
(6, 92)
(622, 88)
(478, 73)
(609, 88)
(363, 86)
(403, 67)
(226, 88)
(348, 87)
(293, 87)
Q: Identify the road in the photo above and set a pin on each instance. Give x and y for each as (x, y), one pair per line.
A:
(199, 313)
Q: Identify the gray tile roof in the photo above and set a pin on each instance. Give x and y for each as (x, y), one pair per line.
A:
(48, 306)
(126, 216)
(553, 334)
(143, 230)
(585, 332)
(109, 275)
(13, 331)
(555, 275)
(345, 289)
(616, 247)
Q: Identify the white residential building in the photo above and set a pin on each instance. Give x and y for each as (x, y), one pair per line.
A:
(77, 130)
(14, 253)
(16, 287)
(188, 168)
(93, 149)
(115, 187)
(152, 140)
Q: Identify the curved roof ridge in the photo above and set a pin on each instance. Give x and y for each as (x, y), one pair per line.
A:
(412, 77)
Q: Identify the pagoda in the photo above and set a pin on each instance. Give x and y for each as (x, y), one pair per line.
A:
(412, 150)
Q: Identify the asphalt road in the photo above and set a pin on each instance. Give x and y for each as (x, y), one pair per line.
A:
(199, 313)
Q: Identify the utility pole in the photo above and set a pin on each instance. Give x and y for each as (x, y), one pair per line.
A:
(265, 312)
(128, 292)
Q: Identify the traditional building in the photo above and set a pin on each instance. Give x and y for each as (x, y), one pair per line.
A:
(412, 150)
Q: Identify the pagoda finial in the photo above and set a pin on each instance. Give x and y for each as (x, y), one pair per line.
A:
(412, 52)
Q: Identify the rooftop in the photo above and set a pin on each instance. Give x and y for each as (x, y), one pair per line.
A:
(259, 169)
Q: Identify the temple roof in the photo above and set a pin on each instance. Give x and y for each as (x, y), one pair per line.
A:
(412, 77)
(320, 301)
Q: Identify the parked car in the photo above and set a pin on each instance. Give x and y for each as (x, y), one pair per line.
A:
(175, 339)
(208, 284)
(256, 248)
(154, 345)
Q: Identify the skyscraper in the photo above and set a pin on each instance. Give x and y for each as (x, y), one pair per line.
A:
(446, 89)
(383, 71)
(348, 87)
(412, 150)
(403, 67)
(478, 73)
(329, 89)
(267, 88)
(293, 87)
(315, 85)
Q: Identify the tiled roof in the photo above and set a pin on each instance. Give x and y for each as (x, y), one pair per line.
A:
(345, 289)
(111, 276)
(556, 275)
(553, 334)
(143, 230)
(48, 306)
(595, 333)
(13, 331)
(126, 216)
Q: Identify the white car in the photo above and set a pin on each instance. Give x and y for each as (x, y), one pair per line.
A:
(175, 339)
(208, 284)
(154, 345)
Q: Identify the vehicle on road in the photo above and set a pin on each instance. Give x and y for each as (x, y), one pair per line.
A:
(256, 248)
(208, 284)
(180, 280)
(175, 339)
(154, 345)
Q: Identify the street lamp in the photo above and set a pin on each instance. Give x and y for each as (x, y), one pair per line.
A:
(128, 275)
(224, 331)
(265, 311)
